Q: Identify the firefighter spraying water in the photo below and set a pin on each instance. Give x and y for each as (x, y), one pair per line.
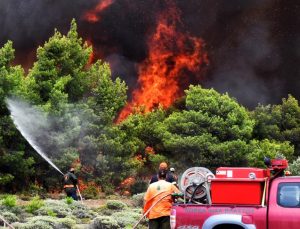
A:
(70, 184)
(19, 114)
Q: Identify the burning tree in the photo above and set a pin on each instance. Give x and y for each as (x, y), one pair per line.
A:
(174, 59)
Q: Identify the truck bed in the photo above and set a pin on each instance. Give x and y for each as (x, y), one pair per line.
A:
(197, 216)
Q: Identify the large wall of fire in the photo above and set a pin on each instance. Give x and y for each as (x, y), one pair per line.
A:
(247, 48)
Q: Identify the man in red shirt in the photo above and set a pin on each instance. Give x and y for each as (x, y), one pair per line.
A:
(158, 201)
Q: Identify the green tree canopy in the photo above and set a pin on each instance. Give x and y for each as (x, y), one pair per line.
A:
(279, 122)
(214, 128)
(143, 132)
(59, 75)
(268, 148)
(15, 167)
(10, 81)
(106, 96)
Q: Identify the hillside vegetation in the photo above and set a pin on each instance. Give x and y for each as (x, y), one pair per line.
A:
(80, 102)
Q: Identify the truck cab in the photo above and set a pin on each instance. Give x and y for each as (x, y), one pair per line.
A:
(284, 203)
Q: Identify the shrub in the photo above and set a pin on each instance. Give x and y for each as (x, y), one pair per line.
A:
(35, 225)
(294, 167)
(115, 205)
(80, 214)
(10, 201)
(103, 210)
(35, 190)
(57, 211)
(69, 200)
(137, 210)
(17, 210)
(51, 213)
(138, 200)
(91, 192)
(47, 219)
(139, 186)
(10, 217)
(126, 219)
(56, 204)
(74, 218)
(66, 223)
(78, 205)
(108, 188)
(52, 222)
(104, 222)
(35, 204)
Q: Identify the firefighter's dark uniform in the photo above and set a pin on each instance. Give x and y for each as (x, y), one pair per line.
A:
(170, 178)
(70, 185)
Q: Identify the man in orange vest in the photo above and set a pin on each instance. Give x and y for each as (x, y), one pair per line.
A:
(158, 202)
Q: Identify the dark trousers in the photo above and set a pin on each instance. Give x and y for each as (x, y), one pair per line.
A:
(71, 192)
(160, 223)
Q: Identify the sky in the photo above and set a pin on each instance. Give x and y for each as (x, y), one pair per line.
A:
(253, 46)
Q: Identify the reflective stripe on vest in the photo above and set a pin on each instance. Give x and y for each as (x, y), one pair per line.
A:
(69, 186)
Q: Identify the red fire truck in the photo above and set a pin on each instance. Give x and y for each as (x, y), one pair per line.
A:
(238, 198)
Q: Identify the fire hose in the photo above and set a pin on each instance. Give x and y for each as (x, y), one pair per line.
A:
(146, 213)
(6, 223)
(79, 193)
(205, 189)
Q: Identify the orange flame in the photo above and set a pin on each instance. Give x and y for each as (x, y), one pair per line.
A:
(93, 15)
(92, 55)
(83, 185)
(125, 185)
(172, 56)
(149, 150)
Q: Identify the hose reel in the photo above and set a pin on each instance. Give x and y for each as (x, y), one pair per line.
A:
(195, 184)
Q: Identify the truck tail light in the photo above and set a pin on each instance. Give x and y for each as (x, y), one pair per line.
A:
(173, 219)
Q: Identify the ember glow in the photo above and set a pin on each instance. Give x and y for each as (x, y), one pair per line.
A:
(92, 55)
(93, 15)
(173, 56)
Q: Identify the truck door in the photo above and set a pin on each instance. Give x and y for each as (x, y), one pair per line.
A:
(284, 205)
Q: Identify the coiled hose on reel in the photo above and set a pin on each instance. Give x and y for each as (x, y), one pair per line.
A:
(195, 185)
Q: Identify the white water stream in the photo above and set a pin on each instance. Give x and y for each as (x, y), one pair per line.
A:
(26, 119)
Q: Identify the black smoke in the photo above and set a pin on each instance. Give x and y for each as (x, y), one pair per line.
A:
(253, 45)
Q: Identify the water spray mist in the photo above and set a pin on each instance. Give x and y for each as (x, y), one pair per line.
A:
(25, 118)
